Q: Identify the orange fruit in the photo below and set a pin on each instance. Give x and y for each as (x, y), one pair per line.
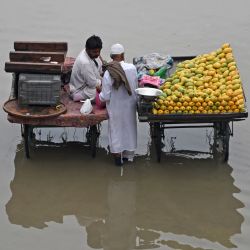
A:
(204, 104)
(221, 55)
(154, 111)
(178, 104)
(223, 60)
(217, 65)
(227, 50)
(225, 45)
(231, 68)
(163, 107)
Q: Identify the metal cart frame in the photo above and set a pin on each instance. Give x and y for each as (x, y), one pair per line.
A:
(220, 123)
(92, 136)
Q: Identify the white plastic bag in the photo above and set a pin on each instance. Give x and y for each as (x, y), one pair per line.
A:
(86, 107)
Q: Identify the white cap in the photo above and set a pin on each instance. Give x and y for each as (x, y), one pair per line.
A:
(116, 49)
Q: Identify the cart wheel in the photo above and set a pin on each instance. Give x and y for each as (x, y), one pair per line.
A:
(26, 134)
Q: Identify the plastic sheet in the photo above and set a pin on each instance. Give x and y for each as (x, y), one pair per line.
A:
(153, 61)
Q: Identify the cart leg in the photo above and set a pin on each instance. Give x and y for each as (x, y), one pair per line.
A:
(26, 140)
(226, 138)
(222, 134)
(92, 138)
(217, 143)
(157, 140)
(22, 130)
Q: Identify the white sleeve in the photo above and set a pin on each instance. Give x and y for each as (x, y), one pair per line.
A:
(89, 76)
(135, 78)
(106, 87)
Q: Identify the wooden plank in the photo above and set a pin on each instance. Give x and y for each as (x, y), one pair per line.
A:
(41, 46)
(31, 56)
(25, 67)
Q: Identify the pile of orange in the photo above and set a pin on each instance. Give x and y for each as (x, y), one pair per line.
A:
(209, 83)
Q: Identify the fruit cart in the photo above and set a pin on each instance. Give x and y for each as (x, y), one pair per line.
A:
(222, 123)
(40, 94)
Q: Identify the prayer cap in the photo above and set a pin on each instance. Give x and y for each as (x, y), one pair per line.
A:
(116, 49)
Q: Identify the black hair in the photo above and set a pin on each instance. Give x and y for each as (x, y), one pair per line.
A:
(93, 42)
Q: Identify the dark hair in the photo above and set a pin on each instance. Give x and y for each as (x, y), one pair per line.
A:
(93, 42)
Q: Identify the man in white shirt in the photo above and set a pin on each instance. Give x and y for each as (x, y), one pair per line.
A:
(118, 91)
(86, 71)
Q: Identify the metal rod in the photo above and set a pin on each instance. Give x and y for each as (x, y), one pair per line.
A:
(26, 141)
(201, 126)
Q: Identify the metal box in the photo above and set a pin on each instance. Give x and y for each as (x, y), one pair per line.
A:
(39, 89)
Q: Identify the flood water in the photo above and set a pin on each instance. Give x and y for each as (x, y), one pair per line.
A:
(63, 199)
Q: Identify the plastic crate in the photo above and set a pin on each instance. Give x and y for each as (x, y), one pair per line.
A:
(39, 89)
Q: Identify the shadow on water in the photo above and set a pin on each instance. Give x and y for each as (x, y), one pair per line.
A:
(178, 203)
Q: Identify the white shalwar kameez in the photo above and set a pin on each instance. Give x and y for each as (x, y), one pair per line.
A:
(121, 107)
(85, 77)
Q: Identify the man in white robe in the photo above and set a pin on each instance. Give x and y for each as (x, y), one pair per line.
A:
(121, 107)
(86, 71)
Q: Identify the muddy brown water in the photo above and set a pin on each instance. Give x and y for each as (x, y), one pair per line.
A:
(61, 198)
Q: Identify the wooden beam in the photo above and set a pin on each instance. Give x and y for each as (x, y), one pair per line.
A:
(41, 46)
(31, 56)
(25, 67)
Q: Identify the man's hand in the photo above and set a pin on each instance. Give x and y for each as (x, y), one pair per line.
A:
(99, 88)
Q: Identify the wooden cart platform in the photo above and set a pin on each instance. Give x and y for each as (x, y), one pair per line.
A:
(71, 118)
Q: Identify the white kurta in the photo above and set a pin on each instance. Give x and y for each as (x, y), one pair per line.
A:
(85, 76)
(121, 109)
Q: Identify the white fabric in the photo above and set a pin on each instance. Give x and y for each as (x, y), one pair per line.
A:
(85, 76)
(86, 107)
(121, 107)
(116, 49)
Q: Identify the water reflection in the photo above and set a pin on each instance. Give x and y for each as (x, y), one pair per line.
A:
(179, 203)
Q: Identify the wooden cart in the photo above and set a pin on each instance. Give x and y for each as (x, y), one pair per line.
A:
(48, 58)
